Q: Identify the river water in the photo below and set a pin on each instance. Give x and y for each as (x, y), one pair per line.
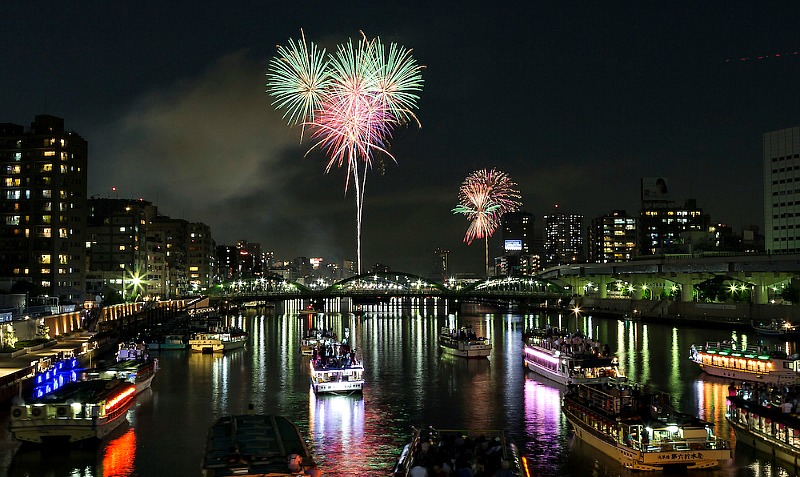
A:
(408, 383)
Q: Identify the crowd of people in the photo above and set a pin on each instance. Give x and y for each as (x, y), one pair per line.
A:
(576, 344)
(452, 454)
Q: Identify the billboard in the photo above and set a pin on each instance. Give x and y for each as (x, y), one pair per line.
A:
(513, 245)
(655, 188)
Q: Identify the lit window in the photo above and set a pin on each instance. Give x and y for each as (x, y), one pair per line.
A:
(49, 153)
(122, 247)
(63, 259)
(46, 219)
(62, 233)
(47, 167)
(44, 259)
(122, 229)
(47, 194)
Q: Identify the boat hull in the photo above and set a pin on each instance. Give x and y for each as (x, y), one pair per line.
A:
(646, 461)
(740, 375)
(468, 351)
(337, 380)
(215, 346)
(779, 450)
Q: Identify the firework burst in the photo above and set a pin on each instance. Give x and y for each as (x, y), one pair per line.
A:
(484, 197)
(351, 100)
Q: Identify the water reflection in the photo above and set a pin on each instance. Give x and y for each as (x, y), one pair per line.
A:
(545, 426)
(336, 428)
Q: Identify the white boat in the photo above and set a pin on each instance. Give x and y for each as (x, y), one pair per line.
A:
(217, 341)
(759, 364)
(337, 371)
(171, 342)
(504, 454)
(568, 358)
(464, 343)
(641, 429)
(773, 429)
(776, 328)
(78, 411)
(133, 364)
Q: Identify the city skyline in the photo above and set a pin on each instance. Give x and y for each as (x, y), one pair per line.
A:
(576, 102)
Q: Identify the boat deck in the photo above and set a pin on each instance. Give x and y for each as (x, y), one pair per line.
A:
(253, 444)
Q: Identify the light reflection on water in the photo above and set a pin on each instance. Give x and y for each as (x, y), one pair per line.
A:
(409, 384)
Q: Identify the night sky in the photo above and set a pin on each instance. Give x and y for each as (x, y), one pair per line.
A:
(576, 101)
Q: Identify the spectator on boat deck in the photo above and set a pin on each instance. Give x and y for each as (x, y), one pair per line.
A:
(437, 471)
(295, 462)
(418, 471)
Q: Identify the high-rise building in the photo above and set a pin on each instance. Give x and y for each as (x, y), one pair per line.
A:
(563, 239)
(116, 250)
(173, 234)
(227, 262)
(440, 266)
(251, 259)
(612, 238)
(661, 226)
(519, 247)
(781, 156)
(201, 258)
(43, 207)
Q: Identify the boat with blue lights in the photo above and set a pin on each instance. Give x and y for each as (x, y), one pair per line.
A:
(464, 343)
(76, 412)
(756, 363)
(257, 445)
(568, 358)
(456, 448)
(336, 369)
(640, 428)
(766, 420)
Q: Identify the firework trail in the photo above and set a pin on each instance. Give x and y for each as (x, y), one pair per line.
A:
(351, 100)
(484, 197)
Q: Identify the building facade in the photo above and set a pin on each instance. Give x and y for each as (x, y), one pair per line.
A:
(663, 228)
(116, 245)
(43, 207)
(563, 239)
(612, 238)
(781, 162)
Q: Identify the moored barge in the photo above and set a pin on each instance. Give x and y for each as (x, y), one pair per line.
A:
(77, 411)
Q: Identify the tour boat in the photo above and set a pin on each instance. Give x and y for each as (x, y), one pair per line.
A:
(217, 341)
(336, 369)
(133, 364)
(464, 343)
(640, 428)
(77, 411)
(256, 445)
(171, 342)
(776, 328)
(759, 364)
(568, 358)
(430, 446)
(769, 426)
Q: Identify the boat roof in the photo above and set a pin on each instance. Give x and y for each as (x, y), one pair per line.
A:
(261, 442)
(82, 391)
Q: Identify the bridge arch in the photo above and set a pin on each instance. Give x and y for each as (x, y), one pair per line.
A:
(270, 285)
(526, 284)
(397, 282)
